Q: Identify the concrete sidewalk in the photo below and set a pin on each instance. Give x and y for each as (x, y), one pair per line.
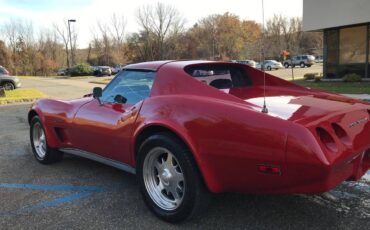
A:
(365, 97)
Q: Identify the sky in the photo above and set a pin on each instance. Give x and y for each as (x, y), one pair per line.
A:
(44, 13)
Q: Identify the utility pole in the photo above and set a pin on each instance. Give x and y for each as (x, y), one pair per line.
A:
(70, 41)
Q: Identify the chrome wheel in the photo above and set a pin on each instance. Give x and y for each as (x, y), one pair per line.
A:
(164, 178)
(39, 140)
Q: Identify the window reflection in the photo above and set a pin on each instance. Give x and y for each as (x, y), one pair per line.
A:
(352, 45)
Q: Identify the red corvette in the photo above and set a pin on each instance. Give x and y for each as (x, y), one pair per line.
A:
(191, 128)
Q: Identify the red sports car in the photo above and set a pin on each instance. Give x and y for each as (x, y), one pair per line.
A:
(192, 128)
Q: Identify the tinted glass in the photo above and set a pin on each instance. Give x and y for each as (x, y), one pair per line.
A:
(133, 85)
(332, 46)
(352, 45)
(220, 76)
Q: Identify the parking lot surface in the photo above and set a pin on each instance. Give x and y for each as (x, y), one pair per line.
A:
(81, 194)
(298, 72)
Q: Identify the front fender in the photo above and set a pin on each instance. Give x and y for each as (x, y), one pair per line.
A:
(55, 114)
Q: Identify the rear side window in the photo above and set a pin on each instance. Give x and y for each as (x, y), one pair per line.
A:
(304, 57)
(220, 76)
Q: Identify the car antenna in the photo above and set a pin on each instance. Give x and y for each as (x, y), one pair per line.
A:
(264, 108)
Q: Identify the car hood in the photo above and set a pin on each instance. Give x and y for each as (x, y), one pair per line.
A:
(302, 107)
(8, 77)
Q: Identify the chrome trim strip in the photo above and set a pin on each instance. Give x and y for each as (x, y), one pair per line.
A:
(100, 159)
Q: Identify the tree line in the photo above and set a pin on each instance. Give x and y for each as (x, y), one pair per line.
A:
(161, 35)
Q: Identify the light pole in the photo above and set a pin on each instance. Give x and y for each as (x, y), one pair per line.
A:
(70, 40)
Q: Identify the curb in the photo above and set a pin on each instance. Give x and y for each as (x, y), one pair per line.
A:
(18, 101)
(364, 97)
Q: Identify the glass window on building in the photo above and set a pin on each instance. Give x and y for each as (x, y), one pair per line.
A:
(332, 53)
(352, 51)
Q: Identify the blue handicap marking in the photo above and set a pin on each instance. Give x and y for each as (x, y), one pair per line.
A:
(82, 192)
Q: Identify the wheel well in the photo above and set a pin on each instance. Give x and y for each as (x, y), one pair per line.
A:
(151, 130)
(31, 114)
(7, 81)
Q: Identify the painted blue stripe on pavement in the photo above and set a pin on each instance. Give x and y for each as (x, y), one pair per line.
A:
(53, 187)
(56, 201)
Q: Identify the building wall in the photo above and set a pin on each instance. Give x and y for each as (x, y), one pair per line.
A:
(321, 14)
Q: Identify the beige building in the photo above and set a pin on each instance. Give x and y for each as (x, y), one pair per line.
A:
(346, 28)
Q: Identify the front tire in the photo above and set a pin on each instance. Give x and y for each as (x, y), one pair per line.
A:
(42, 152)
(286, 65)
(8, 86)
(302, 65)
(169, 179)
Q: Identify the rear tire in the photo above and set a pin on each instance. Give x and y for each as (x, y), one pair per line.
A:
(269, 68)
(169, 179)
(42, 152)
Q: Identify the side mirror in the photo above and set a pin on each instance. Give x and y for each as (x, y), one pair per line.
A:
(97, 93)
(120, 99)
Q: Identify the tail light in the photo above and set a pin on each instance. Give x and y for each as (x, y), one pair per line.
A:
(341, 134)
(327, 139)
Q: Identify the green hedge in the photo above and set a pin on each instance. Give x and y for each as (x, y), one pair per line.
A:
(352, 77)
(312, 76)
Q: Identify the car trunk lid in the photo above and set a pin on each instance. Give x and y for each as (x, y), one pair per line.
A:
(298, 106)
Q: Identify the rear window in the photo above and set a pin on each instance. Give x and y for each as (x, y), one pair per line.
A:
(220, 76)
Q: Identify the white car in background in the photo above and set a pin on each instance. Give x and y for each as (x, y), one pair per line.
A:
(247, 62)
(270, 65)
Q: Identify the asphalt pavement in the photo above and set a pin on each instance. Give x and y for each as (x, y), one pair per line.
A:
(81, 194)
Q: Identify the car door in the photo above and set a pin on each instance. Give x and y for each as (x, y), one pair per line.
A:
(105, 128)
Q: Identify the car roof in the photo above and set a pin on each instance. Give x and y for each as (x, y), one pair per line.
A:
(152, 65)
(156, 65)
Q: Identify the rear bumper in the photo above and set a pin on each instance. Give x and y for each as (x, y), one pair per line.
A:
(350, 170)
(330, 176)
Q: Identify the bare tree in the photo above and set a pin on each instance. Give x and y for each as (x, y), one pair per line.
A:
(19, 37)
(159, 23)
(117, 28)
(107, 45)
(63, 33)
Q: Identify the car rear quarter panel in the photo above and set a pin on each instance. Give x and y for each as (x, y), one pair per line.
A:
(314, 168)
(227, 139)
